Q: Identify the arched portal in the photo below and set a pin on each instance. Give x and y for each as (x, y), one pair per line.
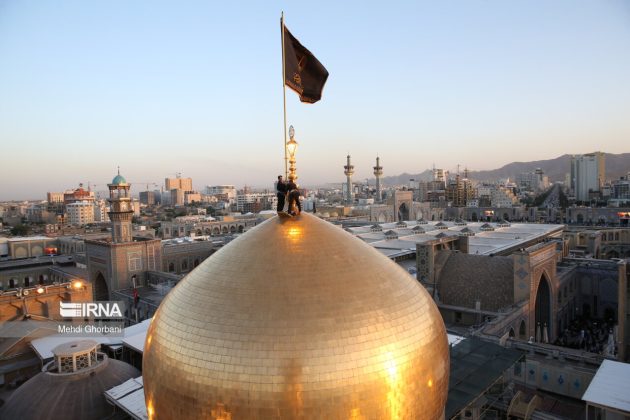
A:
(240, 228)
(101, 291)
(512, 333)
(403, 212)
(474, 217)
(543, 306)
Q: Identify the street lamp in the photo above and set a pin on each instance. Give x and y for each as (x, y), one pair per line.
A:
(291, 149)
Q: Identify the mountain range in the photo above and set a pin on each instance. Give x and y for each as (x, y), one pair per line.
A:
(617, 165)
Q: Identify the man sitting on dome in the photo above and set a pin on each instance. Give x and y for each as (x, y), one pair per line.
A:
(281, 191)
(294, 198)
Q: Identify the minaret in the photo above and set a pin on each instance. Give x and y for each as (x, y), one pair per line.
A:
(378, 172)
(121, 212)
(349, 171)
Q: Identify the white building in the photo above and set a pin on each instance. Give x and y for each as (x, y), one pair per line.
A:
(228, 190)
(587, 174)
(533, 181)
(101, 207)
(502, 197)
(499, 196)
(255, 202)
(80, 213)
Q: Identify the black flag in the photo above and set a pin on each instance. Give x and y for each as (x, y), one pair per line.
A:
(302, 71)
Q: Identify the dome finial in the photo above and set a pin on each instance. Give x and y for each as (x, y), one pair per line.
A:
(119, 170)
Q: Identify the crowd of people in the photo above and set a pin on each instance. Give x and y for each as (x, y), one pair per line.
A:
(592, 335)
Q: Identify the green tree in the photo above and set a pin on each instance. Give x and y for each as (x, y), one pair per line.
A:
(20, 230)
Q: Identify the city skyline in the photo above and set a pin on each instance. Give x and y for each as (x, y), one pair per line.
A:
(159, 89)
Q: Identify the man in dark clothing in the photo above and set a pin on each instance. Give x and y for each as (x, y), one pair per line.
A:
(281, 192)
(294, 197)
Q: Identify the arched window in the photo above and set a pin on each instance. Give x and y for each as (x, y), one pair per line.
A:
(171, 267)
(27, 281)
(41, 279)
(184, 265)
(12, 283)
(196, 262)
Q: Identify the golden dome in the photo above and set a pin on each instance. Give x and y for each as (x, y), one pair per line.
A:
(296, 319)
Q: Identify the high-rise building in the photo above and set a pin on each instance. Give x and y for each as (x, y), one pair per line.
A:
(459, 191)
(101, 208)
(621, 188)
(533, 181)
(222, 192)
(255, 202)
(588, 173)
(177, 197)
(184, 184)
(54, 197)
(147, 198)
(80, 213)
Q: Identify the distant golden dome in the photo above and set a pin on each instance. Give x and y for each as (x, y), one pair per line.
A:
(297, 319)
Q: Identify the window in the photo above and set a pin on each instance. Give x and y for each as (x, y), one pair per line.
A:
(171, 267)
(135, 261)
(151, 258)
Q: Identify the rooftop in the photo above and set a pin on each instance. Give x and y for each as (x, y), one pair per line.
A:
(484, 242)
(609, 388)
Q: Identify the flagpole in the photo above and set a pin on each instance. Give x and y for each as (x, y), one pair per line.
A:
(284, 100)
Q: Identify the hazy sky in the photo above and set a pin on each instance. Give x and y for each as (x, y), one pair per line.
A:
(196, 86)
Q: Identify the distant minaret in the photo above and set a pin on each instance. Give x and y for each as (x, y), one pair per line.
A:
(378, 172)
(349, 171)
(121, 212)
